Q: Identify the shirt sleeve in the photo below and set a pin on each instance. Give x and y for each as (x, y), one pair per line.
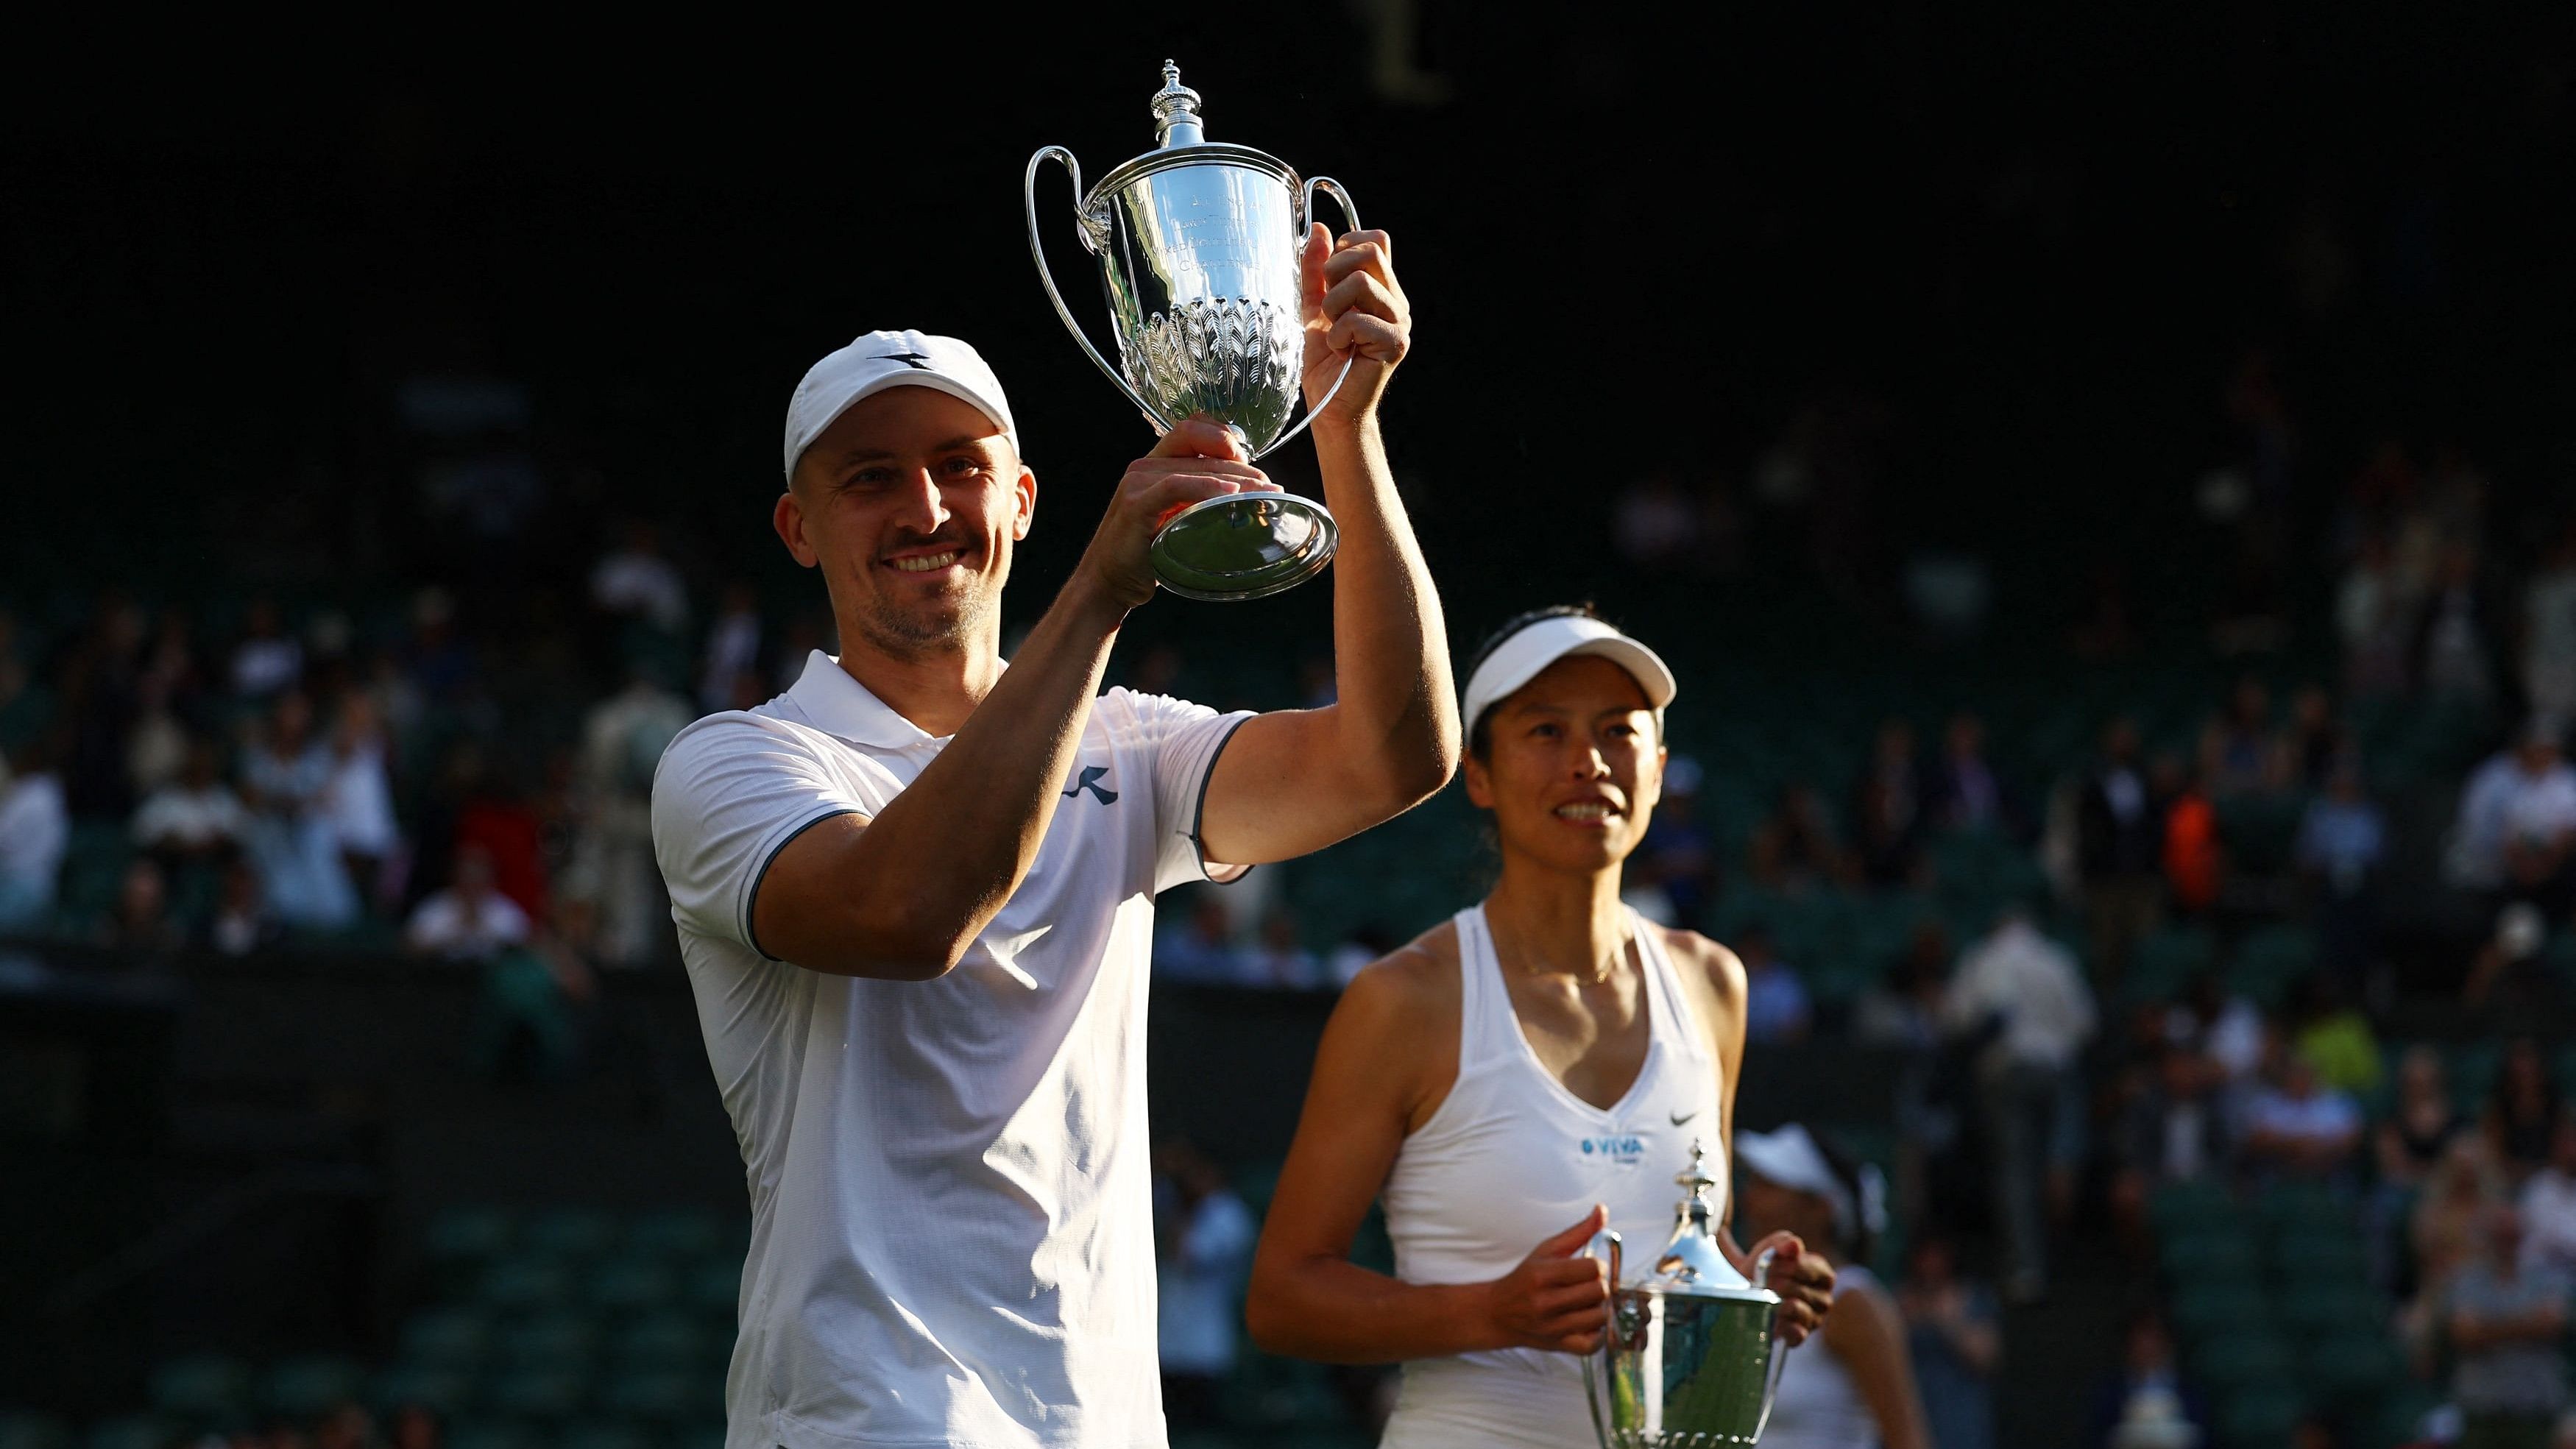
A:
(1185, 738)
(730, 793)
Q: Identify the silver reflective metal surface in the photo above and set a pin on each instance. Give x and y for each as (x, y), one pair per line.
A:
(1199, 244)
(1687, 1360)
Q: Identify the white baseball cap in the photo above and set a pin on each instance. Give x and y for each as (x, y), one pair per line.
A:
(881, 360)
(1543, 641)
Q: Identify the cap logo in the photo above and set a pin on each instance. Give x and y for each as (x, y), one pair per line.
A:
(917, 361)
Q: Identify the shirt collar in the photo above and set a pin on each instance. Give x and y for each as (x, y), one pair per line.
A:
(841, 706)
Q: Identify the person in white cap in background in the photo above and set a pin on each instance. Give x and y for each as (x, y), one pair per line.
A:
(1853, 1387)
(915, 892)
(1516, 1079)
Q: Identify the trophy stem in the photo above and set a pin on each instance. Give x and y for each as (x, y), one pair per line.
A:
(1243, 546)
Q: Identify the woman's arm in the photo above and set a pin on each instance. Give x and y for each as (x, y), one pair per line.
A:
(1864, 1333)
(1383, 1066)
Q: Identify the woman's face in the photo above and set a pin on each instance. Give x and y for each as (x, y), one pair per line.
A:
(1572, 767)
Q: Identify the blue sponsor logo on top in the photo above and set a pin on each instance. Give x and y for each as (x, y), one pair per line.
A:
(1622, 1148)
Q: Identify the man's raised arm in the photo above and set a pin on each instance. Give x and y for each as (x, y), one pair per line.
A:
(1297, 780)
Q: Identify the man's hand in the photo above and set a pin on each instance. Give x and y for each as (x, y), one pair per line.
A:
(1198, 460)
(1553, 1299)
(1354, 311)
(1804, 1281)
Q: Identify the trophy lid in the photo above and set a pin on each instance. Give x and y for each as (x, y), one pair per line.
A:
(1180, 139)
(1693, 1263)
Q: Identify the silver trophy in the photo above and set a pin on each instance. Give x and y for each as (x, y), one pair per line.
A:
(1198, 242)
(1688, 1360)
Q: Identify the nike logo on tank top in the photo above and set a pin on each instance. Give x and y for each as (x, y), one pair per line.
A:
(1513, 1157)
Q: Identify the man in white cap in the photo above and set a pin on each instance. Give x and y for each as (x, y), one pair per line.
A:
(915, 892)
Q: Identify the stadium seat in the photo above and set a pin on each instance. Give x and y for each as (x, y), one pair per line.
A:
(203, 1389)
(2204, 1255)
(551, 1394)
(630, 1284)
(451, 1338)
(605, 1436)
(2320, 1257)
(667, 1341)
(2211, 1308)
(130, 1431)
(305, 1387)
(555, 1340)
(2241, 1358)
(2331, 1308)
(659, 1395)
(675, 1233)
(2203, 1203)
(715, 1285)
(524, 1281)
(441, 1390)
(491, 1434)
(2259, 1416)
(22, 1429)
(467, 1236)
(2350, 1367)
(570, 1232)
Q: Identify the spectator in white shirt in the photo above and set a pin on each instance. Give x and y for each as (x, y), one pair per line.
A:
(638, 581)
(2302, 1128)
(359, 801)
(469, 920)
(2549, 1204)
(733, 649)
(2537, 813)
(1205, 1241)
(2027, 991)
(196, 817)
(35, 830)
(268, 659)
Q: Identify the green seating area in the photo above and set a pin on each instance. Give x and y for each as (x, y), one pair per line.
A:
(2275, 1314)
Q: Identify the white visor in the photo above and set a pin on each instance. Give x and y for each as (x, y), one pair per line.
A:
(1517, 660)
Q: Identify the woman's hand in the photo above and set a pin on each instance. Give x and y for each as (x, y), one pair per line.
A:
(1804, 1281)
(1553, 1299)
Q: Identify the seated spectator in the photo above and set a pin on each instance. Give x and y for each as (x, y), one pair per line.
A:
(2300, 1127)
(1281, 960)
(2508, 976)
(2342, 840)
(1679, 854)
(267, 660)
(2533, 821)
(2421, 1125)
(1887, 807)
(195, 818)
(2144, 1403)
(733, 649)
(141, 923)
(241, 923)
(2174, 1130)
(2549, 1204)
(2236, 750)
(2504, 1319)
(1200, 948)
(2336, 1036)
(1776, 1008)
(469, 920)
(2190, 853)
(1965, 793)
(1954, 1331)
(35, 831)
(1204, 1239)
(1905, 1010)
(2118, 839)
(2223, 1029)
(286, 778)
(2313, 744)
(360, 796)
(637, 581)
(2522, 1112)
(1795, 848)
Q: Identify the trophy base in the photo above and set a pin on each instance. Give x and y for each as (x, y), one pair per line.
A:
(1243, 546)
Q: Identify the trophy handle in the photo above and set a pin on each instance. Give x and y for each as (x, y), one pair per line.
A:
(1037, 249)
(1779, 1347)
(1306, 218)
(1597, 1381)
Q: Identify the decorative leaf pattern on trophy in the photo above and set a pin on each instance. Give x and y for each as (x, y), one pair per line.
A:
(1229, 357)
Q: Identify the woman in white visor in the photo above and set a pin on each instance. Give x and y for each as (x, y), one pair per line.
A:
(1521, 1076)
(1853, 1388)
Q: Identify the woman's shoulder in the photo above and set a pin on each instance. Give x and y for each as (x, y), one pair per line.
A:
(1702, 959)
(1422, 973)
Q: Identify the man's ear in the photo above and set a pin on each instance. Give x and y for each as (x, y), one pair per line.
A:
(1024, 500)
(788, 517)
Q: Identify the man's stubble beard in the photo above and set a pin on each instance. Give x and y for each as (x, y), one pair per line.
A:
(922, 634)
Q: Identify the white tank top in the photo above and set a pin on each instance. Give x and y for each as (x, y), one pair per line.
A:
(1512, 1158)
(1819, 1406)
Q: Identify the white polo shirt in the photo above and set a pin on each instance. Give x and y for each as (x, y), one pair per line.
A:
(952, 1218)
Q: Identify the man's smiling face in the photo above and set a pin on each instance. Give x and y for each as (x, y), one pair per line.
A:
(910, 503)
